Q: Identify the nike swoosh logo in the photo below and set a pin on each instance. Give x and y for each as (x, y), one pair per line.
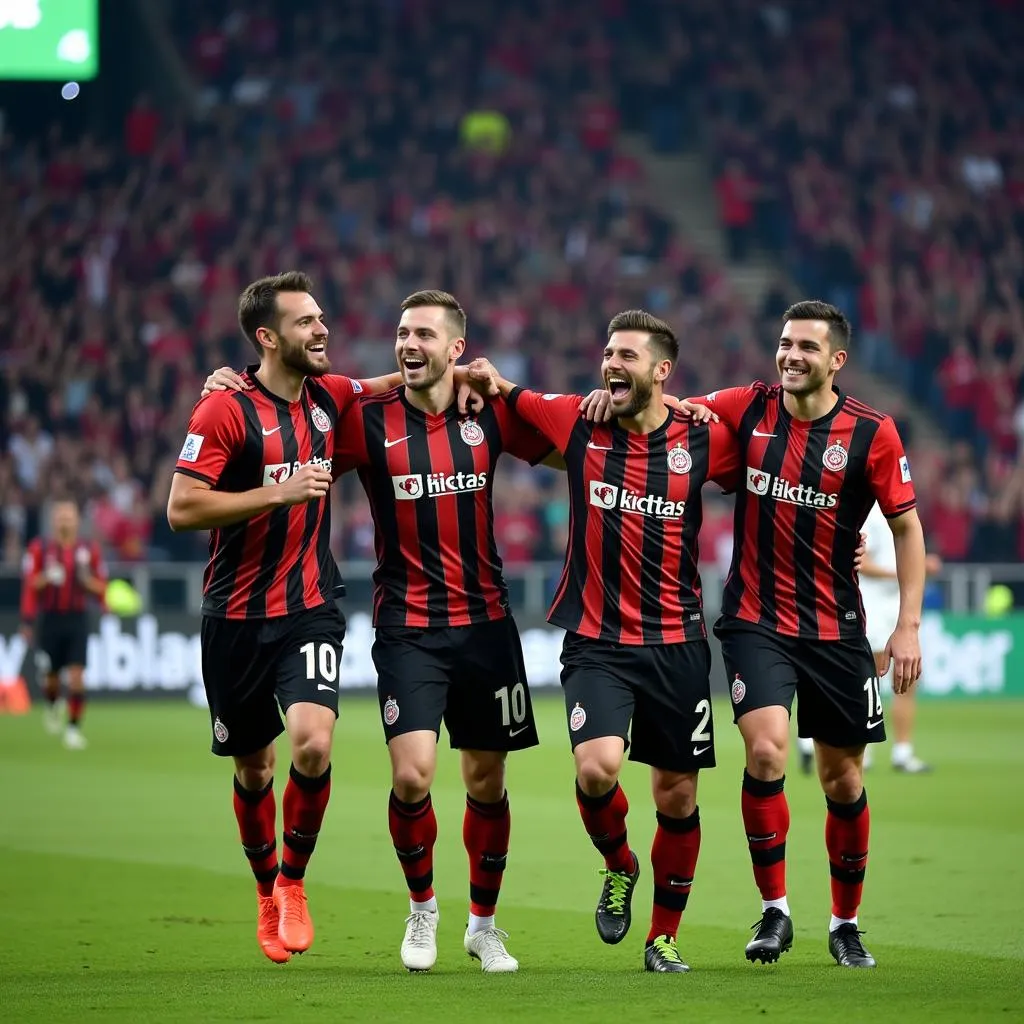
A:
(758, 433)
(872, 725)
(267, 433)
(397, 440)
(324, 686)
(599, 447)
(516, 732)
(697, 751)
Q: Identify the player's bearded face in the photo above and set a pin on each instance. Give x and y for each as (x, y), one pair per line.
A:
(628, 371)
(422, 365)
(304, 350)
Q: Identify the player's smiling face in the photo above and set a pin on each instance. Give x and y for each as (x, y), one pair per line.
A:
(805, 359)
(425, 347)
(629, 370)
(301, 334)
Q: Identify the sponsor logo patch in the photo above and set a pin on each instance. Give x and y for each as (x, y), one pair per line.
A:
(410, 486)
(764, 485)
(609, 497)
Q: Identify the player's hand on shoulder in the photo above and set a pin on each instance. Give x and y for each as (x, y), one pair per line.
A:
(483, 377)
(470, 400)
(597, 406)
(308, 483)
(224, 379)
(694, 410)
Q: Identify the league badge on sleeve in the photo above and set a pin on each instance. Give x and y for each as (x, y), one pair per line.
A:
(904, 470)
(191, 448)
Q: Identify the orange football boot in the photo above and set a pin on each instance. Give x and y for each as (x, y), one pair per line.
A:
(267, 924)
(295, 927)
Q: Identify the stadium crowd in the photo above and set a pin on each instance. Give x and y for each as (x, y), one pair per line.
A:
(387, 145)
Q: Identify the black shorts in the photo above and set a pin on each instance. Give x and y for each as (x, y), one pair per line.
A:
(250, 667)
(664, 690)
(471, 677)
(61, 641)
(834, 681)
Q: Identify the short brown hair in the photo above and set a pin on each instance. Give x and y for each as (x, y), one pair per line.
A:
(839, 329)
(662, 337)
(456, 314)
(257, 305)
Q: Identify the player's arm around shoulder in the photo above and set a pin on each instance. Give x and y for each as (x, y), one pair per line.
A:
(729, 404)
(726, 463)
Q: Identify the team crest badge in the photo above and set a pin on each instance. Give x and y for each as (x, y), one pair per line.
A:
(471, 433)
(220, 731)
(679, 460)
(576, 718)
(390, 711)
(321, 420)
(835, 457)
(738, 691)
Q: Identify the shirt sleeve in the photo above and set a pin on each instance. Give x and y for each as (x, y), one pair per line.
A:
(555, 416)
(31, 566)
(349, 442)
(215, 433)
(725, 458)
(729, 403)
(888, 471)
(520, 438)
(343, 390)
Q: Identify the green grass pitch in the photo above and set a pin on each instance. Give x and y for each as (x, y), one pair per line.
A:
(126, 897)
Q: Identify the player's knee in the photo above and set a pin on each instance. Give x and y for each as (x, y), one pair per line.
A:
(411, 781)
(311, 754)
(766, 757)
(675, 795)
(842, 782)
(484, 778)
(596, 776)
(255, 771)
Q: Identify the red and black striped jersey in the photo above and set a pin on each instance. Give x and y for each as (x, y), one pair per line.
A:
(278, 562)
(63, 567)
(635, 510)
(808, 488)
(429, 480)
